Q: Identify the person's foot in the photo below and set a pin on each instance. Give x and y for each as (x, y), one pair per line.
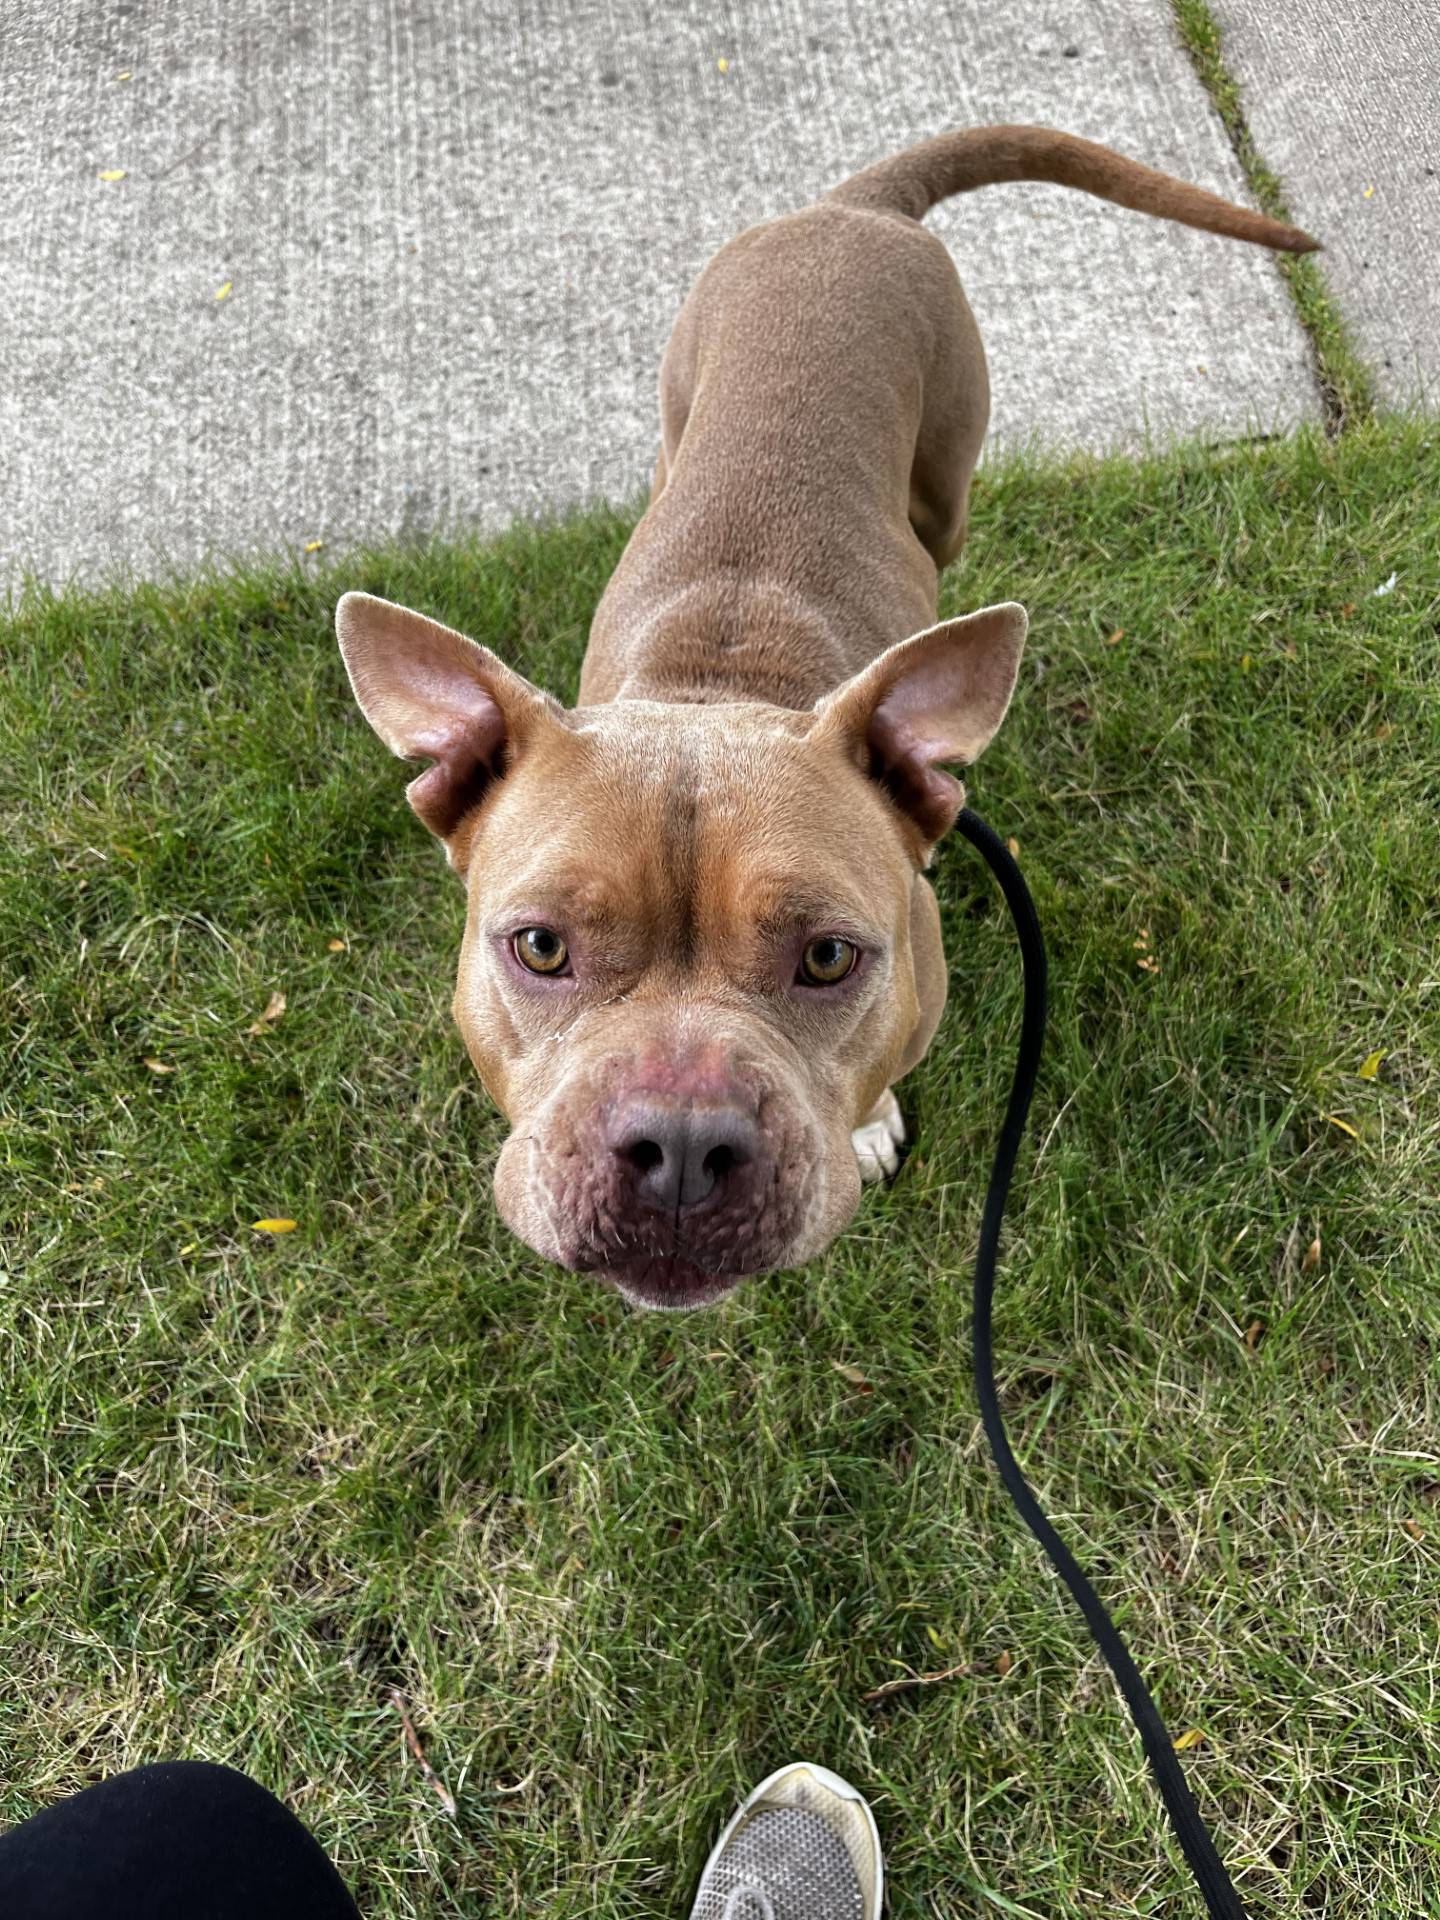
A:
(802, 1847)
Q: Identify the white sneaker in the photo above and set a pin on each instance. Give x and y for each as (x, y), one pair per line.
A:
(802, 1847)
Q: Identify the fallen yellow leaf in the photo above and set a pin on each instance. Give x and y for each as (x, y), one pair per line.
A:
(223, 293)
(158, 1066)
(853, 1375)
(1343, 1125)
(273, 1226)
(336, 946)
(1371, 1064)
(1191, 1737)
(112, 173)
(274, 1007)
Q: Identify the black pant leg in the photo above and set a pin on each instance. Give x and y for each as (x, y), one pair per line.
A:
(181, 1841)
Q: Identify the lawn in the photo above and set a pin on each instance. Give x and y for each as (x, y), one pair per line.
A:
(620, 1566)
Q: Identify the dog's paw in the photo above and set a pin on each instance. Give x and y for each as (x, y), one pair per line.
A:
(878, 1142)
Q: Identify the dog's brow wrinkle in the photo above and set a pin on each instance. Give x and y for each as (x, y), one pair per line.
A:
(680, 846)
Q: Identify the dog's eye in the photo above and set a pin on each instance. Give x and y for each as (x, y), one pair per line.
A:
(540, 950)
(827, 960)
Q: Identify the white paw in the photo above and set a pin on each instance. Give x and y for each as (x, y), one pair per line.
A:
(878, 1143)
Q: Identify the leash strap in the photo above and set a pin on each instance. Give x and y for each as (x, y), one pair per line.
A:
(1190, 1830)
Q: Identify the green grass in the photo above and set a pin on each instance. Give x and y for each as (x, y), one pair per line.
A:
(1346, 384)
(620, 1566)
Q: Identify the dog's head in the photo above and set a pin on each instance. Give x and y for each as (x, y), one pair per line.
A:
(698, 946)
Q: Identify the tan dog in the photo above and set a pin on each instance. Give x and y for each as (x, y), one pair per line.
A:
(700, 949)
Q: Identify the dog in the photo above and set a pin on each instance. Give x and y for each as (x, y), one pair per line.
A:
(700, 946)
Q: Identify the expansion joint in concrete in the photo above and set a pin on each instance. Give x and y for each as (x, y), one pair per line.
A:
(1345, 382)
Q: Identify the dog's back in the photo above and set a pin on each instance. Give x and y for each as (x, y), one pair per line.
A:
(823, 399)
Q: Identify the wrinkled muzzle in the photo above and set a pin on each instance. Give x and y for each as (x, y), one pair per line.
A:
(674, 1171)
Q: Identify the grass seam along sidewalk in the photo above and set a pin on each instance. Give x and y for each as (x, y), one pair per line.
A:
(1347, 389)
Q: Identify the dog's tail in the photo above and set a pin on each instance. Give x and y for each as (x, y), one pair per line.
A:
(914, 181)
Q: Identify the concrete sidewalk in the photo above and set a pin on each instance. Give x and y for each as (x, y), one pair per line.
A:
(375, 268)
(1344, 102)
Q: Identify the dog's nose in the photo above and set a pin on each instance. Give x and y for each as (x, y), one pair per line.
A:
(681, 1152)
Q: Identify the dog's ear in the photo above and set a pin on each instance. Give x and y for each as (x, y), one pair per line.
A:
(431, 694)
(927, 702)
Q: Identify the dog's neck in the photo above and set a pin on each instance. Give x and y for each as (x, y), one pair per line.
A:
(697, 660)
(722, 638)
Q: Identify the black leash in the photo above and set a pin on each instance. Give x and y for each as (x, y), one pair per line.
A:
(1190, 1830)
